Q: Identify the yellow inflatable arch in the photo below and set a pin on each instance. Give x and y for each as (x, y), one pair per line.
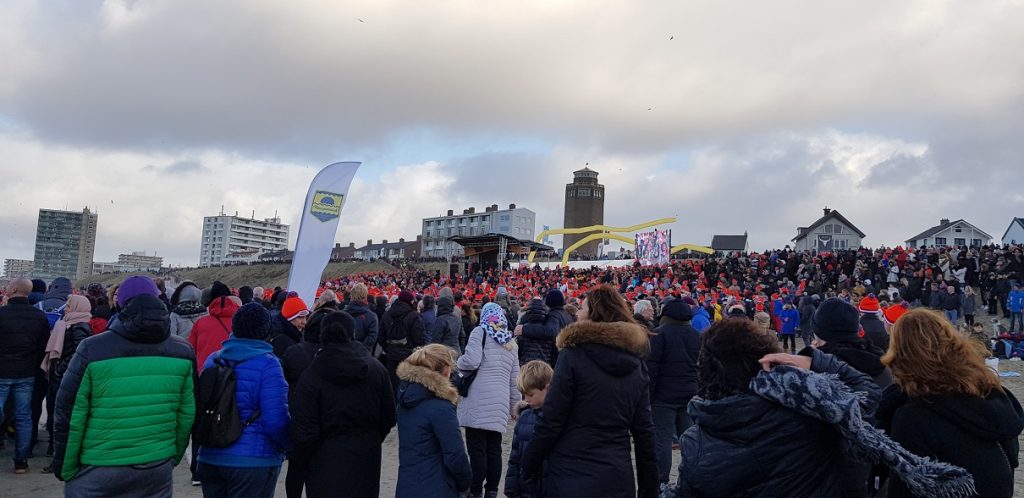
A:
(611, 233)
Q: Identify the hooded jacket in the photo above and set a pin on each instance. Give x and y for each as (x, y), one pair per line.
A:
(745, 445)
(283, 334)
(432, 459)
(402, 320)
(597, 408)
(24, 331)
(538, 339)
(367, 325)
(343, 409)
(260, 386)
(521, 438)
(210, 332)
(672, 363)
(701, 320)
(977, 434)
(448, 327)
(57, 295)
(874, 329)
(133, 388)
(186, 309)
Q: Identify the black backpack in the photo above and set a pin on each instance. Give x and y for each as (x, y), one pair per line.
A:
(396, 334)
(218, 424)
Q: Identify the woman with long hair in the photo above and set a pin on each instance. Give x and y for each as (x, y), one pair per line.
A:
(597, 408)
(952, 407)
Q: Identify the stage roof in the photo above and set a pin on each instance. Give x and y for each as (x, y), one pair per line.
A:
(490, 242)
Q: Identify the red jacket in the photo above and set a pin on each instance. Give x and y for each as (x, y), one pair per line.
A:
(210, 332)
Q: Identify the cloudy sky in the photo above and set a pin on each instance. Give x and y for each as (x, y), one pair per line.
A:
(731, 115)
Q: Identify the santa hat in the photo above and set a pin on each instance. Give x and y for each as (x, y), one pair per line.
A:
(869, 304)
(894, 312)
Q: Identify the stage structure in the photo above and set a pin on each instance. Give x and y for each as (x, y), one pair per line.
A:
(486, 252)
(605, 232)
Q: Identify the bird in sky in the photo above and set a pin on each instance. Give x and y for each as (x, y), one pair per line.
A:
(360, 20)
(673, 37)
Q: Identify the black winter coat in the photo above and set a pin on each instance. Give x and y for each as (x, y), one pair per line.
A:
(73, 336)
(24, 331)
(295, 361)
(874, 329)
(283, 334)
(342, 410)
(672, 363)
(538, 339)
(367, 326)
(979, 435)
(521, 437)
(402, 331)
(746, 446)
(597, 408)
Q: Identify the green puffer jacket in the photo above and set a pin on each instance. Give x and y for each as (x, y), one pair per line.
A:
(128, 397)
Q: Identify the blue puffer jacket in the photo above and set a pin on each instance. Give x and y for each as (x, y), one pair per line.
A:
(701, 320)
(260, 385)
(520, 441)
(432, 460)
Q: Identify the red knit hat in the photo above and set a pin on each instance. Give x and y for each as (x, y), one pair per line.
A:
(293, 308)
(869, 304)
(894, 312)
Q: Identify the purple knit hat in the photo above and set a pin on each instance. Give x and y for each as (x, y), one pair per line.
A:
(135, 286)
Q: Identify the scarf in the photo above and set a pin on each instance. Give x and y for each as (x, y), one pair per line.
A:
(495, 323)
(189, 309)
(78, 310)
(826, 398)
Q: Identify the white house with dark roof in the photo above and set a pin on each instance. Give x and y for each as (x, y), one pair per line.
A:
(950, 233)
(1014, 234)
(831, 232)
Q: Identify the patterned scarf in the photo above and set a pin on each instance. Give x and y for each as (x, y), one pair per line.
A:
(494, 322)
(826, 398)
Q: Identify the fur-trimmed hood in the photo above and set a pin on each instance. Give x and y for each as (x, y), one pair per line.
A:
(432, 384)
(628, 337)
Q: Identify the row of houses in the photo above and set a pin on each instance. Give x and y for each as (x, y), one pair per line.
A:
(833, 231)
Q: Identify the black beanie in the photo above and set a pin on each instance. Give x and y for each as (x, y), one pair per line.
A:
(337, 327)
(676, 309)
(837, 321)
(219, 290)
(251, 321)
(554, 299)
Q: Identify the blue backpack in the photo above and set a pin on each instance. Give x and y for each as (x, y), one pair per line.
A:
(52, 316)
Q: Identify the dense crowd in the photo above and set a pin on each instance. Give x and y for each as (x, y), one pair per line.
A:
(605, 372)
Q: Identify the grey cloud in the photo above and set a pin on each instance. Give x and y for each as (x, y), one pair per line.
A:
(182, 167)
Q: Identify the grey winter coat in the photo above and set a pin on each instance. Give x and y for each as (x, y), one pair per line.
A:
(448, 327)
(181, 325)
(493, 394)
(970, 305)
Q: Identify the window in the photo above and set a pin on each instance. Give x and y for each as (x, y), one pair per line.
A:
(959, 242)
(598, 194)
(570, 193)
(584, 192)
(977, 242)
(828, 228)
(839, 228)
(957, 229)
(940, 241)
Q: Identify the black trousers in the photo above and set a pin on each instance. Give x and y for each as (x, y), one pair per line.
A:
(296, 478)
(484, 448)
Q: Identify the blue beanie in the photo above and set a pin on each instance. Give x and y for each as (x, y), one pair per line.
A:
(251, 321)
(554, 299)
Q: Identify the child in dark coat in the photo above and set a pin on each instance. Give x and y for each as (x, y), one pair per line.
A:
(535, 312)
(533, 381)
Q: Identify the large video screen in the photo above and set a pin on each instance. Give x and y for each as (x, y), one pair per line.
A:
(654, 248)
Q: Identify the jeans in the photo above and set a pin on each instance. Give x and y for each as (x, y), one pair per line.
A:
(669, 423)
(149, 480)
(1016, 318)
(22, 389)
(952, 316)
(484, 448)
(231, 482)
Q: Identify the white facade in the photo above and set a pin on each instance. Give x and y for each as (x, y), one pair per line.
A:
(832, 227)
(515, 222)
(139, 261)
(17, 268)
(946, 233)
(1015, 233)
(223, 235)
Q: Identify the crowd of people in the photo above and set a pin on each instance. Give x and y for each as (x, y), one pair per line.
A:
(604, 372)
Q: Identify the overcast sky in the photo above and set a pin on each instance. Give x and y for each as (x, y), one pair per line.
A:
(732, 115)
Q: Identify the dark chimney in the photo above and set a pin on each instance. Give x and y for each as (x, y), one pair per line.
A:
(369, 242)
(511, 206)
(385, 241)
(465, 211)
(827, 211)
(451, 212)
(472, 210)
(401, 240)
(352, 245)
(944, 221)
(494, 207)
(337, 245)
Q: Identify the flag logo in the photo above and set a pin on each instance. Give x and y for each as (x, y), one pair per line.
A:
(326, 205)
